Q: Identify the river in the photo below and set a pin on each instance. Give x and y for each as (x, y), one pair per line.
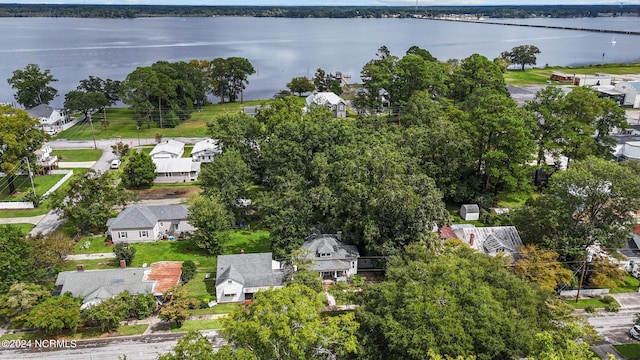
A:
(280, 48)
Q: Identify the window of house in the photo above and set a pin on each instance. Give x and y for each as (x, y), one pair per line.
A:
(143, 233)
(161, 224)
(177, 227)
(122, 234)
(353, 264)
(229, 281)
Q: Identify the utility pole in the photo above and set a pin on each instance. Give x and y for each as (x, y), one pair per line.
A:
(93, 135)
(160, 112)
(587, 260)
(35, 196)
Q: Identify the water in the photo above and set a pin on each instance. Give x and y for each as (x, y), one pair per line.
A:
(279, 49)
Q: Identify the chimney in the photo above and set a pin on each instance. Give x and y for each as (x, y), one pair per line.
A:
(242, 252)
(80, 267)
(123, 264)
(472, 239)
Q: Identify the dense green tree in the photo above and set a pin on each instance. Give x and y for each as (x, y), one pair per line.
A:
(106, 315)
(139, 171)
(592, 201)
(287, 324)
(455, 302)
(229, 77)
(176, 308)
(49, 250)
(20, 299)
(300, 85)
(120, 149)
(475, 72)
(109, 88)
(19, 138)
(33, 87)
(413, 73)
(324, 81)
(228, 176)
(55, 314)
(501, 140)
(124, 251)
(85, 102)
(546, 106)
(239, 131)
(16, 263)
(521, 55)
(138, 91)
(193, 345)
(210, 217)
(376, 76)
(541, 266)
(90, 201)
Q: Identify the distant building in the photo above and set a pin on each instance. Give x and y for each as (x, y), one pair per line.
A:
(174, 170)
(45, 159)
(52, 121)
(491, 240)
(205, 151)
(168, 149)
(329, 100)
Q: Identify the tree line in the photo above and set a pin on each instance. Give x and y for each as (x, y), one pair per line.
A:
(132, 11)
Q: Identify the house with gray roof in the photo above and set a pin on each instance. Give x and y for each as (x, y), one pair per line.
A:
(175, 170)
(52, 120)
(240, 276)
(329, 100)
(149, 223)
(167, 149)
(95, 286)
(205, 151)
(330, 257)
(491, 240)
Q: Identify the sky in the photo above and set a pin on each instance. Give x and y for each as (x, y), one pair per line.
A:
(329, 2)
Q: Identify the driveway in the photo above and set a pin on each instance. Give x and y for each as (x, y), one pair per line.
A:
(613, 327)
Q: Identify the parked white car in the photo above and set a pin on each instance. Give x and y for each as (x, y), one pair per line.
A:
(635, 332)
(115, 163)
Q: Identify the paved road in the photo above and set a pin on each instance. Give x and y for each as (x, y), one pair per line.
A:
(134, 347)
(22, 220)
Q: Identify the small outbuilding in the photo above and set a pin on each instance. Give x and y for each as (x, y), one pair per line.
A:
(470, 212)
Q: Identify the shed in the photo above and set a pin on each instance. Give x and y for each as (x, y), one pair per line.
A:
(470, 212)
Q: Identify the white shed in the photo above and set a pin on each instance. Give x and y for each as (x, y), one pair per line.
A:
(470, 212)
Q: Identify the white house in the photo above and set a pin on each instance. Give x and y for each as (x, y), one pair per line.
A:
(45, 159)
(167, 149)
(52, 120)
(329, 100)
(204, 151)
(330, 257)
(592, 80)
(631, 89)
(149, 223)
(238, 277)
(174, 170)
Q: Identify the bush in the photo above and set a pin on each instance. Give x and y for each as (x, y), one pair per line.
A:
(613, 307)
(608, 299)
(125, 252)
(590, 309)
(188, 271)
(357, 280)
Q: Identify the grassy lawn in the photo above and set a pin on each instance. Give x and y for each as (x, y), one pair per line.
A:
(197, 325)
(629, 351)
(24, 228)
(179, 250)
(121, 124)
(88, 333)
(42, 183)
(187, 151)
(251, 241)
(200, 288)
(78, 155)
(584, 303)
(96, 245)
(630, 285)
(454, 212)
(513, 200)
(45, 206)
(218, 309)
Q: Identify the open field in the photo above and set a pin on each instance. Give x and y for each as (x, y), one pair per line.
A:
(123, 125)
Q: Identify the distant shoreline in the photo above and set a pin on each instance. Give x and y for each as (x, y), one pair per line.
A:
(136, 11)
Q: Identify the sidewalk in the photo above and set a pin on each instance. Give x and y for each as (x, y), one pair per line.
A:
(22, 220)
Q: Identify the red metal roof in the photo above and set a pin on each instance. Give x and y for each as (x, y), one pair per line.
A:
(166, 274)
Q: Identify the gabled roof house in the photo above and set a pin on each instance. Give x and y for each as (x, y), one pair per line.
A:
(204, 151)
(330, 257)
(52, 120)
(329, 100)
(238, 277)
(491, 240)
(149, 223)
(95, 286)
(174, 170)
(167, 149)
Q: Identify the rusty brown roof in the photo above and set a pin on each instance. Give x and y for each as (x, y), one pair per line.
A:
(166, 274)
